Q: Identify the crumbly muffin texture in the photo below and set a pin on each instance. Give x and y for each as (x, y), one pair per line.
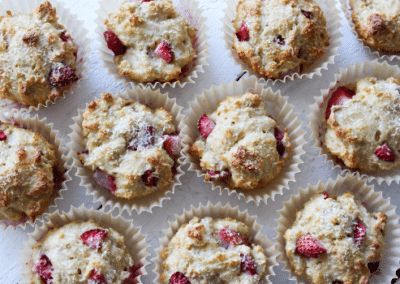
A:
(377, 23)
(364, 131)
(37, 57)
(125, 141)
(213, 251)
(80, 253)
(347, 236)
(26, 173)
(144, 26)
(279, 37)
(243, 148)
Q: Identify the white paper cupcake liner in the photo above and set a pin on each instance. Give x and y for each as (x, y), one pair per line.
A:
(152, 99)
(332, 15)
(218, 211)
(317, 115)
(374, 203)
(277, 107)
(190, 10)
(34, 124)
(134, 239)
(75, 29)
(345, 6)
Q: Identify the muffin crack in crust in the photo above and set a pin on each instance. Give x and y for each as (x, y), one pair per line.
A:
(150, 40)
(213, 251)
(241, 144)
(37, 57)
(26, 173)
(334, 238)
(279, 37)
(128, 146)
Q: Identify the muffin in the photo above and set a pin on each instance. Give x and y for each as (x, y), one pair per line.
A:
(213, 250)
(240, 144)
(279, 37)
(82, 252)
(130, 148)
(50, 67)
(334, 238)
(362, 124)
(26, 173)
(377, 23)
(150, 41)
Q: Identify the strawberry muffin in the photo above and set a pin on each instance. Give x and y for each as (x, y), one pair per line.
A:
(37, 57)
(240, 144)
(26, 173)
(333, 239)
(213, 251)
(363, 123)
(82, 252)
(279, 37)
(150, 40)
(377, 23)
(130, 148)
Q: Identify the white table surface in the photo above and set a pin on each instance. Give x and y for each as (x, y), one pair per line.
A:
(193, 190)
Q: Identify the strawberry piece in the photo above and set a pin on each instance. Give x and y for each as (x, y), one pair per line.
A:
(339, 96)
(247, 265)
(279, 145)
(146, 0)
(149, 178)
(359, 232)
(326, 195)
(280, 40)
(61, 76)
(231, 238)
(307, 14)
(64, 37)
(114, 43)
(243, 33)
(134, 273)
(384, 153)
(94, 238)
(172, 144)
(179, 278)
(105, 180)
(205, 125)
(309, 246)
(164, 50)
(44, 269)
(3, 136)
(218, 175)
(95, 277)
(145, 140)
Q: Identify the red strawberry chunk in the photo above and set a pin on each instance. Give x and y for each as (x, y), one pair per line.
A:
(105, 180)
(338, 97)
(384, 153)
(146, 1)
(231, 238)
(359, 232)
(218, 175)
(3, 136)
(134, 273)
(280, 40)
(179, 278)
(61, 76)
(149, 178)
(164, 50)
(279, 145)
(114, 43)
(94, 238)
(307, 14)
(64, 37)
(172, 144)
(143, 139)
(309, 246)
(44, 269)
(326, 195)
(205, 125)
(247, 265)
(243, 33)
(95, 277)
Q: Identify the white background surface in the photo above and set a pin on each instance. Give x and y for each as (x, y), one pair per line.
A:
(222, 69)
